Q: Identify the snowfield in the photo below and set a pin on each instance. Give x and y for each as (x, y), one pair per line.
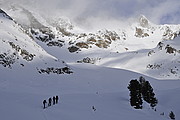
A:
(103, 88)
(89, 71)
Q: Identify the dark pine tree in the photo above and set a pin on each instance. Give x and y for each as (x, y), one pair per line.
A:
(172, 115)
(147, 92)
(135, 94)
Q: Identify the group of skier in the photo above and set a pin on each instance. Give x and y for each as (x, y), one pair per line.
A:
(51, 101)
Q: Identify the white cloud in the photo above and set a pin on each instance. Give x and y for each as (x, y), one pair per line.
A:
(102, 11)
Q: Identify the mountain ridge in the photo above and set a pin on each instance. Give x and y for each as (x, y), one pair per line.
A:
(61, 34)
(18, 48)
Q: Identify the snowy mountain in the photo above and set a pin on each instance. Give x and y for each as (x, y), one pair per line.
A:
(105, 47)
(101, 47)
(31, 67)
(18, 49)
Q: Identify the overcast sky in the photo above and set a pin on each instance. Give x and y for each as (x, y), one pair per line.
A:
(157, 11)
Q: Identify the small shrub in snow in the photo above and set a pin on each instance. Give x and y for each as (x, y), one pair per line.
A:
(154, 66)
(172, 115)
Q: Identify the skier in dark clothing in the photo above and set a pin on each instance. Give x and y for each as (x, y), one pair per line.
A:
(54, 100)
(50, 100)
(93, 108)
(44, 103)
(57, 98)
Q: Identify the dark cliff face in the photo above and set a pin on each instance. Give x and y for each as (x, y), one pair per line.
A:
(4, 14)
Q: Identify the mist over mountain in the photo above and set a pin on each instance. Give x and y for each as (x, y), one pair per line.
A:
(92, 13)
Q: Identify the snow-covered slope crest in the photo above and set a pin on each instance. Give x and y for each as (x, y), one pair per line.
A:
(3, 14)
(161, 62)
(18, 49)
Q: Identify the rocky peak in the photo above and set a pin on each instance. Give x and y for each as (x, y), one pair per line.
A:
(63, 23)
(143, 21)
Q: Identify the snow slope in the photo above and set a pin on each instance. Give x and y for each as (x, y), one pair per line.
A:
(104, 88)
(160, 62)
